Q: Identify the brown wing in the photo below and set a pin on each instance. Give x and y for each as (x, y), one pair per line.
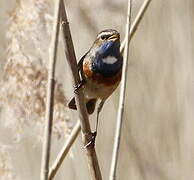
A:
(90, 105)
(71, 103)
(80, 66)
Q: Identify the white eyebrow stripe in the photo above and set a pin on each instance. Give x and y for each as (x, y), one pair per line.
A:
(109, 60)
(104, 33)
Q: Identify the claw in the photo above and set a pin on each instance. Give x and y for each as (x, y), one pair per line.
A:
(91, 143)
(79, 86)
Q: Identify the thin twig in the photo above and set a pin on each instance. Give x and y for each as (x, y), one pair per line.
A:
(136, 22)
(122, 98)
(77, 130)
(50, 96)
(62, 154)
(79, 97)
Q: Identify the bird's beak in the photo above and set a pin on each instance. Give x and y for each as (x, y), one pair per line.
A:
(114, 37)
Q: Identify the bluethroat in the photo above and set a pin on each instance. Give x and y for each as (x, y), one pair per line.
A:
(100, 71)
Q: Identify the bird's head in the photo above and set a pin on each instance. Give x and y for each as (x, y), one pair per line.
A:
(107, 41)
(105, 53)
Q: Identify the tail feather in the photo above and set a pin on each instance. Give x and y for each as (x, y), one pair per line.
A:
(90, 105)
(72, 104)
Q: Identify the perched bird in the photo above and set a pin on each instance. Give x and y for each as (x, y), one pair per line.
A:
(100, 70)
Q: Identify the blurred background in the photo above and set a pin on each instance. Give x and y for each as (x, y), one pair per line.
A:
(158, 136)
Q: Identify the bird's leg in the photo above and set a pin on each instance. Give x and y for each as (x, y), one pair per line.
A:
(93, 134)
(91, 140)
(98, 112)
(79, 85)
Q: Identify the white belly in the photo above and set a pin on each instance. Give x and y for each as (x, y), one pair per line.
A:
(98, 91)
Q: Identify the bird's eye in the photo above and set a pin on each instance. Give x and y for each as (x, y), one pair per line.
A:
(103, 37)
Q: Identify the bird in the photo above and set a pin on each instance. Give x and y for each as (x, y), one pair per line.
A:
(100, 71)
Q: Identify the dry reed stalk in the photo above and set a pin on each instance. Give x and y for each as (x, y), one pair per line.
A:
(76, 130)
(50, 95)
(122, 98)
(65, 149)
(83, 116)
(135, 25)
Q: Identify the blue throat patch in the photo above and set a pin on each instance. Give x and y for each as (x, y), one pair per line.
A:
(108, 49)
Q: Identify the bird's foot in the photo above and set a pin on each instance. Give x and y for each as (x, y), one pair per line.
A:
(92, 139)
(79, 86)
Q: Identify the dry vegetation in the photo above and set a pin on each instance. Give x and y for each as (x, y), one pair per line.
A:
(25, 71)
(157, 141)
